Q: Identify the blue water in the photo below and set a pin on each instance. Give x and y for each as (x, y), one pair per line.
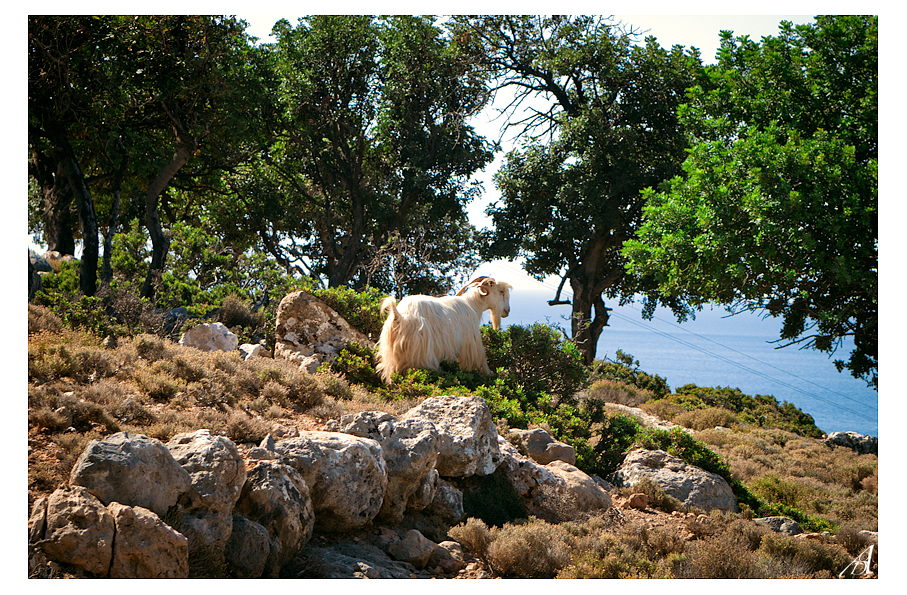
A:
(716, 349)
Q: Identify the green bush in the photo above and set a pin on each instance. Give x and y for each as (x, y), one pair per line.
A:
(538, 358)
(760, 410)
(361, 309)
(626, 370)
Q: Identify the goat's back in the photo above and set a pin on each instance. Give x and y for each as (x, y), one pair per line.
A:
(422, 331)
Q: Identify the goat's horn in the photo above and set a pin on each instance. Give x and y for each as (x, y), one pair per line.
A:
(473, 283)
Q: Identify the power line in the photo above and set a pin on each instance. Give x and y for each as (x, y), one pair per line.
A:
(719, 357)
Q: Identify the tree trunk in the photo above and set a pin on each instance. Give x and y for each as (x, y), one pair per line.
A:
(589, 317)
(57, 198)
(160, 243)
(88, 221)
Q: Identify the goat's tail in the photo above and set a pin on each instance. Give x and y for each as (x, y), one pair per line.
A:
(386, 364)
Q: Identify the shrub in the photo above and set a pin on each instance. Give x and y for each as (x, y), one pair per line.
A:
(538, 358)
(612, 391)
(361, 309)
(530, 550)
(475, 536)
(626, 370)
(760, 410)
(706, 418)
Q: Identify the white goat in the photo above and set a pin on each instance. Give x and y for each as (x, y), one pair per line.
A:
(423, 331)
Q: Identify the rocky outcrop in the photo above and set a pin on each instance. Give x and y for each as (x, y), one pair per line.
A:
(276, 498)
(310, 332)
(131, 469)
(212, 336)
(410, 450)
(145, 547)
(217, 473)
(139, 508)
(859, 443)
(781, 524)
(468, 442)
(346, 474)
(73, 526)
(689, 484)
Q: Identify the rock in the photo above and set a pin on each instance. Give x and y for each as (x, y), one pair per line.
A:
(56, 260)
(39, 263)
(410, 450)
(447, 503)
(132, 469)
(212, 336)
(638, 501)
(781, 524)
(350, 560)
(310, 332)
(145, 546)
(583, 489)
(218, 474)
(248, 549)
(538, 445)
(448, 556)
(414, 548)
(278, 498)
(248, 351)
(691, 485)
(346, 474)
(536, 484)
(78, 530)
(468, 439)
(859, 443)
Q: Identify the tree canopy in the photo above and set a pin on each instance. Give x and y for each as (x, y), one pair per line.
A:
(367, 177)
(571, 192)
(777, 208)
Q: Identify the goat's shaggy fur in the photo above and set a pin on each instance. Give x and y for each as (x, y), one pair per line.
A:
(423, 331)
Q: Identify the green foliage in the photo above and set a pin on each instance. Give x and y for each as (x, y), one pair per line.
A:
(626, 370)
(777, 210)
(760, 410)
(537, 358)
(362, 309)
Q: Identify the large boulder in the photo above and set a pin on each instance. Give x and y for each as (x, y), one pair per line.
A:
(131, 469)
(218, 474)
(689, 484)
(145, 547)
(538, 445)
(468, 439)
(410, 450)
(212, 336)
(859, 443)
(310, 332)
(74, 527)
(277, 497)
(346, 474)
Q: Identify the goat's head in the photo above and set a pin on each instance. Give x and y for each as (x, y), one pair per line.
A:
(496, 297)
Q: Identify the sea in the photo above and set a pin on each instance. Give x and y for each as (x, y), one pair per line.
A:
(716, 349)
